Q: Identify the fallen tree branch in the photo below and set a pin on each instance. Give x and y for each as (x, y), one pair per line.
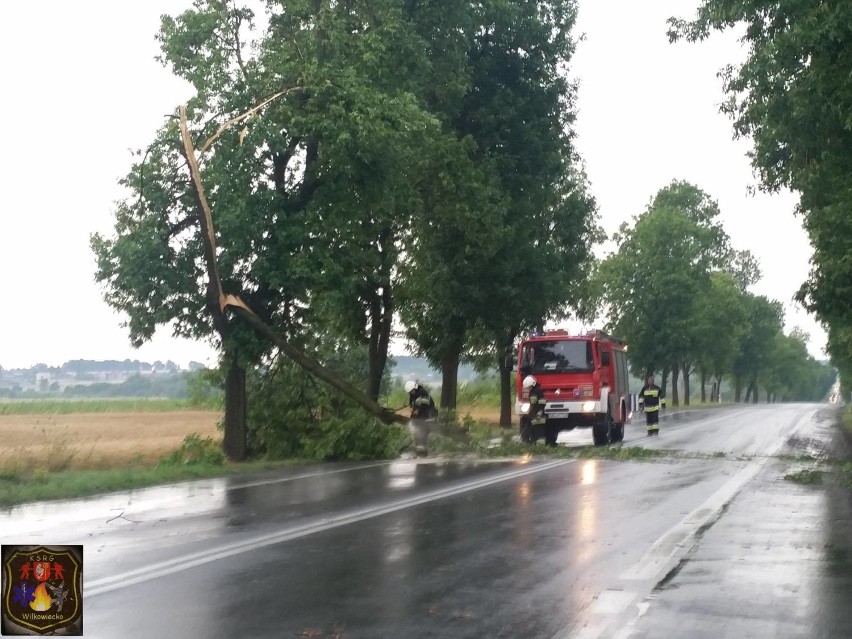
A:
(311, 365)
(237, 305)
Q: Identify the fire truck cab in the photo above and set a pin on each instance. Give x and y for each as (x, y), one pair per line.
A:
(584, 379)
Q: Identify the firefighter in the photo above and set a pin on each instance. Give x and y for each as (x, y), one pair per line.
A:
(651, 399)
(535, 415)
(419, 401)
(422, 411)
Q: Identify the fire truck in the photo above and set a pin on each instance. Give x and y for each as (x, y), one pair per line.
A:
(585, 383)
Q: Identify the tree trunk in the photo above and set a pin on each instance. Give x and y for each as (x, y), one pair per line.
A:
(704, 386)
(505, 368)
(665, 382)
(718, 396)
(381, 324)
(675, 396)
(449, 380)
(751, 392)
(738, 388)
(375, 369)
(234, 439)
(686, 384)
(376, 355)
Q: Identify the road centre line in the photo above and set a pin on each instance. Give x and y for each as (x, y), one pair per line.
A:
(191, 560)
(318, 473)
(325, 473)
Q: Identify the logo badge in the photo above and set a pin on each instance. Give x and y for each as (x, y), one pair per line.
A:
(42, 590)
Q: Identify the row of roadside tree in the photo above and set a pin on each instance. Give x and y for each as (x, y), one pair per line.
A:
(791, 97)
(677, 291)
(392, 163)
(393, 160)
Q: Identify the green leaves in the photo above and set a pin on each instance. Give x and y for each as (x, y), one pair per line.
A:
(793, 97)
(656, 285)
(505, 242)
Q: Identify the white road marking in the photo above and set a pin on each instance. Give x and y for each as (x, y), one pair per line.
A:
(191, 560)
(318, 473)
(637, 582)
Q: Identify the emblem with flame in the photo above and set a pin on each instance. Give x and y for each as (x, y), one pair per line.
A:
(42, 589)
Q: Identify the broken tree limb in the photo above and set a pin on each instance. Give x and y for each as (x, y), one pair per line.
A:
(240, 308)
(242, 116)
(311, 365)
(206, 215)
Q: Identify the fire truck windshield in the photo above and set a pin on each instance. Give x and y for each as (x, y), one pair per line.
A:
(557, 356)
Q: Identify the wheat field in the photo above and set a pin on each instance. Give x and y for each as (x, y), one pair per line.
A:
(98, 440)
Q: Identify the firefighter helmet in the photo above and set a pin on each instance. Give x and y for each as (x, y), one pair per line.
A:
(529, 381)
(410, 386)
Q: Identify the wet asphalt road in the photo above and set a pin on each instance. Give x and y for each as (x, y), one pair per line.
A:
(712, 542)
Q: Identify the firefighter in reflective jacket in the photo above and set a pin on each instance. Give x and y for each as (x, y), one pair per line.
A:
(651, 399)
(535, 415)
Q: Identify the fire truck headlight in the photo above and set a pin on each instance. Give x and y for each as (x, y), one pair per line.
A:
(525, 408)
(589, 407)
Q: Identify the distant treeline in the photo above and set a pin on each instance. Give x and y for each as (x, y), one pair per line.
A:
(169, 386)
(193, 385)
(115, 366)
(87, 366)
(197, 383)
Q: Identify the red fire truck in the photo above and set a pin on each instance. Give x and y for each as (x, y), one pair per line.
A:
(585, 383)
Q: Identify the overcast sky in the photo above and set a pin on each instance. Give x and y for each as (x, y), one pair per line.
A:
(82, 89)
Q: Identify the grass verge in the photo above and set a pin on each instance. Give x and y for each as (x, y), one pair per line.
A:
(846, 419)
(805, 476)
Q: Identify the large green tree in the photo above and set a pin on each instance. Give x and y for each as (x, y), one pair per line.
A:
(793, 98)
(504, 257)
(312, 194)
(652, 284)
(764, 321)
(719, 318)
(792, 374)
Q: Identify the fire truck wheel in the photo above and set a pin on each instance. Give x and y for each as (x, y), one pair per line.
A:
(601, 430)
(616, 431)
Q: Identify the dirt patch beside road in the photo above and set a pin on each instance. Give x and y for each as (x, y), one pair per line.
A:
(483, 414)
(98, 440)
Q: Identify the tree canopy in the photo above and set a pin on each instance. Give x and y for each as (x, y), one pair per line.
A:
(361, 159)
(792, 97)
